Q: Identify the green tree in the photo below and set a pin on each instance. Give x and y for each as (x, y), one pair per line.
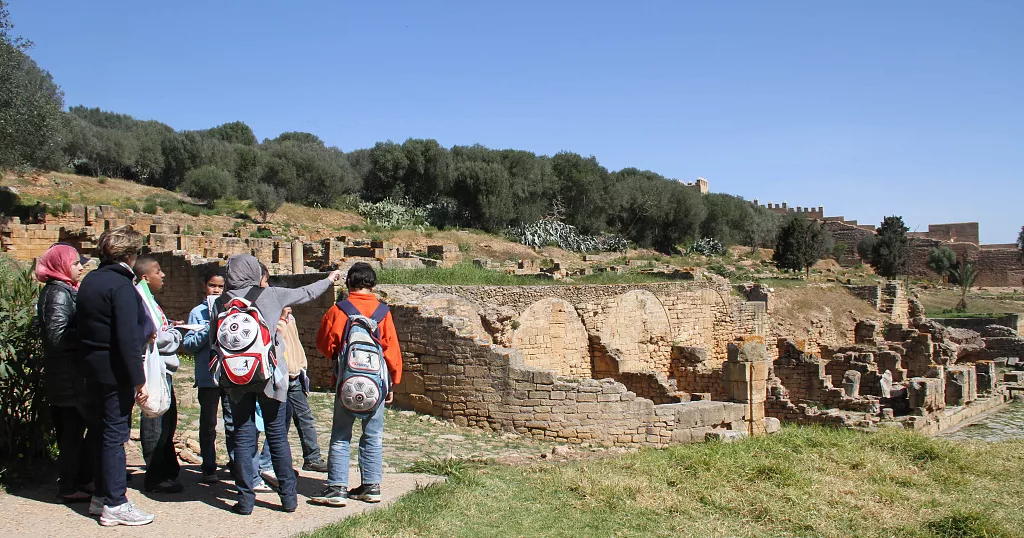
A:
(388, 163)
(761, 227)
(584, 186)
(208, 183)
(266, 201)
(890, 255)
(965, 274)
(941, 260)
(485, 191)
(801, 243)
(236, 132)
(31, 120)
(1020, 242)
(427, 172)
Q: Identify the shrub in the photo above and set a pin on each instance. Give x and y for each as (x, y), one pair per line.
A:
(24, 428)
(208, 184)
(706, 246)
(550, 232)
(102, 180)
(393, 214)
(149, 206)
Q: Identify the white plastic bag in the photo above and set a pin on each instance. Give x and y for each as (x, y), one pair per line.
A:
(156, 383)
(159, 400)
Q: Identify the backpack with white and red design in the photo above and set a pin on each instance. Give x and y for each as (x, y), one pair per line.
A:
(242, 343)
(360, 370)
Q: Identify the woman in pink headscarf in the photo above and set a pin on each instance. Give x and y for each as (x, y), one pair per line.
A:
(60, 269)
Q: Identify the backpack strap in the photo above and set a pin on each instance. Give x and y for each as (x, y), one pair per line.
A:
(380, 313)
(348, 308)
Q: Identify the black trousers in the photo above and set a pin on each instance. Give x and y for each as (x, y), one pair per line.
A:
(157, 436)
(75, 442)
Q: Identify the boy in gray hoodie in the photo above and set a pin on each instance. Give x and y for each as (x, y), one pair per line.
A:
(243, 273)
(157, 434)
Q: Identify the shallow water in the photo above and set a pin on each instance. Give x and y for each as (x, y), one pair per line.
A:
(1004, 425)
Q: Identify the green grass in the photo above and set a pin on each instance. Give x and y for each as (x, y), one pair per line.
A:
(801, 482)
(470, 275)
(938, 301)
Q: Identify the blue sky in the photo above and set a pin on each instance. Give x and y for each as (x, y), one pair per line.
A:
(868, 108)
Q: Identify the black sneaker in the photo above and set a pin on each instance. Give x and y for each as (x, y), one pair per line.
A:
(367, 493)
(332, 496)
(315, 466)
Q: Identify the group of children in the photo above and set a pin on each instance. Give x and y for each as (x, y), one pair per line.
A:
(118, 330)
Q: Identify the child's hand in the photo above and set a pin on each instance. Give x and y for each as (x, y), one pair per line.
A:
(390, 398)
(335, 276)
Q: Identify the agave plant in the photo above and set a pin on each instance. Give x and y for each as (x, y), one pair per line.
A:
(394, 214)
(550, 232)
(706, 246)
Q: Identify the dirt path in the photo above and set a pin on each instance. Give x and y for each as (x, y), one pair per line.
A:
(200, 511)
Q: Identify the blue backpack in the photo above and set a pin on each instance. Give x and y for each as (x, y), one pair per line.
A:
(360, 371)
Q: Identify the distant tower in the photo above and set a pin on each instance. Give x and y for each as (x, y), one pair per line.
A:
(702, 185)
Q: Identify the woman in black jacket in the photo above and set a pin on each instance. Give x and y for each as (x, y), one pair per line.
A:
(60, 268)
(111, 323)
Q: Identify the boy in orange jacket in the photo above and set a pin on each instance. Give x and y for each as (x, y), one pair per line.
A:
(360, 282)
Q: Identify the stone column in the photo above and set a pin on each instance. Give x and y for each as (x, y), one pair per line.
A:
(745, 376)
(297, 260)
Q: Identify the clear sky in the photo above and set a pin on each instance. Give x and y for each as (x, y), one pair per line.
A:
(866, 107)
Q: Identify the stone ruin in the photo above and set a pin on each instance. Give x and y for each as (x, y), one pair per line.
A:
(650, 364)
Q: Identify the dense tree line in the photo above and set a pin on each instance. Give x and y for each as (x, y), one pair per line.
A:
(462, 186)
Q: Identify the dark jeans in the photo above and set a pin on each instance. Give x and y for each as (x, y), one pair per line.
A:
(209, 398)
(157, 436)
(114, 405)
(275, 422)
(298, 408)
(76, 459)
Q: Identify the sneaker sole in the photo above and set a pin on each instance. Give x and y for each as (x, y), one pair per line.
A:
(329, 502)
(367, 498)
(113, 522)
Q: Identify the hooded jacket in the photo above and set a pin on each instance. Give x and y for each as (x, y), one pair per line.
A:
(243, 272)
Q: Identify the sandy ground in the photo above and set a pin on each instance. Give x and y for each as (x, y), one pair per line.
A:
(200, 511)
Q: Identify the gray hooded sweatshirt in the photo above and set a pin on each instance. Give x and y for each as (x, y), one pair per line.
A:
(243, 272)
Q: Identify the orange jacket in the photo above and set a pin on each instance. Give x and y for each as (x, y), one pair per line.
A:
(332, 327)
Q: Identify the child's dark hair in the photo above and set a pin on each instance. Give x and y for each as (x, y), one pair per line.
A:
(213, 272)
(361, 276)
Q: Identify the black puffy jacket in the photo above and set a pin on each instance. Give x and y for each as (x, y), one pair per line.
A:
(65, 386)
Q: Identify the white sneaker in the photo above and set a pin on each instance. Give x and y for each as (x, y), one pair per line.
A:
(96, 506)
(125, 514)
(261, 487)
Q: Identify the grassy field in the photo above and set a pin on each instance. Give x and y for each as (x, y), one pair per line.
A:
(801, 482)
(939, 302)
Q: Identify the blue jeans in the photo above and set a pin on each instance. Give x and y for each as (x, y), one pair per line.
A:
(298, 408)
(113, 406)
(157, 436)
(208, 400)
(275, 422)
(371, 447)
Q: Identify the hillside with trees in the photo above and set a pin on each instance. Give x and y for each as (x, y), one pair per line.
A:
(462, 186)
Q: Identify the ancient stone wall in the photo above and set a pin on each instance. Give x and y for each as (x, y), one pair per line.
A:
(849, 235)
(476, 383)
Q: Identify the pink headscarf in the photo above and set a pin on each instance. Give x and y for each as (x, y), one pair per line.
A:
(55, 264)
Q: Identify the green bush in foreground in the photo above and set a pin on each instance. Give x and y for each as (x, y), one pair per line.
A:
(801, 482)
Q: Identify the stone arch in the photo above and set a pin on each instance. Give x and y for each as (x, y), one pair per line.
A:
(551, 336)
(454, 306)
(636, 324)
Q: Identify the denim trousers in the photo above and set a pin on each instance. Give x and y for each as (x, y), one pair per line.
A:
(113, 407)
(157, 436)
(298, 408)
(75, 443)
(275, 421)
(371, 447)
(209, 400)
